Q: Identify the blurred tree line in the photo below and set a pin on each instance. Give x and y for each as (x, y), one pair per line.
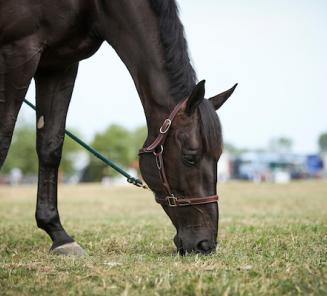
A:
(116, 142)
(22, 153)
(323, 142)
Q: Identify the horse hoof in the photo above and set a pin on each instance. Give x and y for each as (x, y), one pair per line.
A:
(70, 249)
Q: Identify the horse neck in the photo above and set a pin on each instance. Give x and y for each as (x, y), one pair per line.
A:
(135, 36)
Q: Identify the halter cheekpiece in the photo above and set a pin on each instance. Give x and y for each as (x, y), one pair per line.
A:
(157, 148)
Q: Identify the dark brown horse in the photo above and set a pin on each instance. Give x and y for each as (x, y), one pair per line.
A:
(45, 40)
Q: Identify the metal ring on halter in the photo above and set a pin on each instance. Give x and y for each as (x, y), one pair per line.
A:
(172, 201)
(160, 152)
(158, 163)
(159, 157)
(165, 127)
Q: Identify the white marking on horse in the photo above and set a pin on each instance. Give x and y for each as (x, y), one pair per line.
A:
(40, 123)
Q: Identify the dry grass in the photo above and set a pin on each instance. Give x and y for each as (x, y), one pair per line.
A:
(273, 241)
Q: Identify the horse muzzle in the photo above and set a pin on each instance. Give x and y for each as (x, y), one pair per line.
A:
(204, 246)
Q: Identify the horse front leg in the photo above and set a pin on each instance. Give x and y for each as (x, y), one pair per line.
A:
(15, 78)
(53, 93)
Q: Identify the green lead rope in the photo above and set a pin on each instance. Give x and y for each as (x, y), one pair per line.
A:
(130, 179)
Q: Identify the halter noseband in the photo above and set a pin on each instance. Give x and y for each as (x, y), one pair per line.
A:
(157, 148)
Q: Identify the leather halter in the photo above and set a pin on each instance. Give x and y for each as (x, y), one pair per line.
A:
(157, 149)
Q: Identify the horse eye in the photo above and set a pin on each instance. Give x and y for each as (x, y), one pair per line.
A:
(190, 159)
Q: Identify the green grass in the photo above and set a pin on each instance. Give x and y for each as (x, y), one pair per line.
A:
(273, 241)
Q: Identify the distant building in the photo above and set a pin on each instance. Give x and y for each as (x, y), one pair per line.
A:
(324, 163)
(225, 167)
(314, 165)
(275, 167)
(15, 176)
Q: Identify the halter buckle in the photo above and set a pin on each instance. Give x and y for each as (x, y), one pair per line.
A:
(165, 126)
(171, 201)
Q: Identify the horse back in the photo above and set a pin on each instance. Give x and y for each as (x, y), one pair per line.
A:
(18, 20)
(62, 29)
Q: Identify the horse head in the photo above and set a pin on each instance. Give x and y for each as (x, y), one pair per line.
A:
(186, 186)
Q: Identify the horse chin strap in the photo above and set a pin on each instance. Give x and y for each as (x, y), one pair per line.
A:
(157, 148)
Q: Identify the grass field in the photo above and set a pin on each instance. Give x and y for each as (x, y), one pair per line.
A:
(273, 241)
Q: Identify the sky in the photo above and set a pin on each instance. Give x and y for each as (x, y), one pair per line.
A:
(275, 49)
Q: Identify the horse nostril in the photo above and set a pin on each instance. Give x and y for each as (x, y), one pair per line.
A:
(204, 246)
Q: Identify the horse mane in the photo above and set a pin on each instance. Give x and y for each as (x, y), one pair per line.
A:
(181, 74)
(210, 127)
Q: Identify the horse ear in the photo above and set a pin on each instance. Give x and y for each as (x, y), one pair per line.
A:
(195, 98)
(220, 99)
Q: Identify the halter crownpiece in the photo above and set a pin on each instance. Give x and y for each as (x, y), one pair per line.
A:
(157, 149)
